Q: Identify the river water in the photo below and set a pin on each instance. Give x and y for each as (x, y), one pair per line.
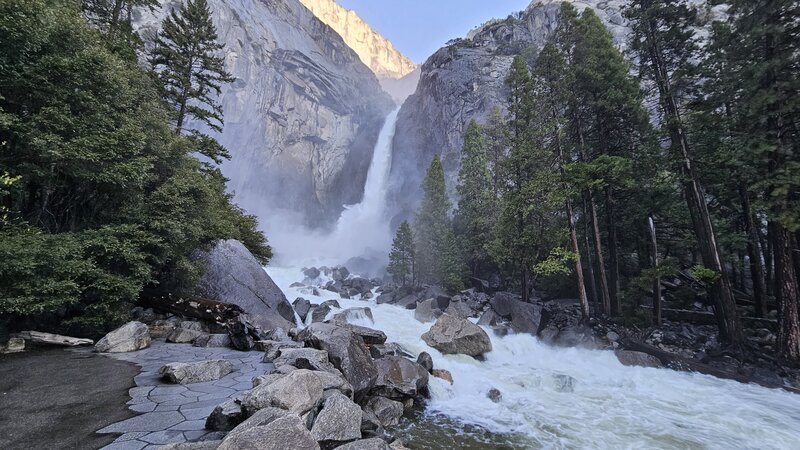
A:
(607, 406)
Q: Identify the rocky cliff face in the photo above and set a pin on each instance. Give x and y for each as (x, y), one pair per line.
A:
(303, 115)
(374, 50)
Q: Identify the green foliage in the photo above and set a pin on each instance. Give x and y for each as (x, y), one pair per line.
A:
(474, 219)
(401, 257)
(438, 258)
(185, 58)
(99, 195)
(555, 263)
(704, 274)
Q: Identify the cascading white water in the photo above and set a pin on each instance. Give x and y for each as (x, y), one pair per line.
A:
(362, 229)
(611, 406)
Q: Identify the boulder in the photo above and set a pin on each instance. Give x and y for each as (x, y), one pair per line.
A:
(196, 372)
(489, 319)
(193, 325)
(451, 335)
(369, 335)
(331, 304)
(426, 361)
(443, 374)
(338, 421)
(347, 351)
(184, 336)
(213, 341)
(631, 358)
(524, 317)
(130, 337)
(234, 276)
(161, 328)
(14, 345)
(576, 336)
(386, 297)
(360, 285)
(407, 302)
(298, 392)
(390, 349)
(283, 433)
(427, 311)
(400, 378)
(334, 380)
(494, 395)
(261, 418)
(388, 412)
(366, 444)
(272, 349)
(267, 379)
(225, 417)
(501, 303)
(319, 313)
(339, 273)
(304, 358)
(312, 273)
(351, 314)
(459, 308)
(301, 307)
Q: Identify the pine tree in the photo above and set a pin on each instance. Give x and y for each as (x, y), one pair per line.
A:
(496, 136)
(401, 257)
(438, 258)
(186, 59)
(111, 15)
(665, 43)
(473, 217)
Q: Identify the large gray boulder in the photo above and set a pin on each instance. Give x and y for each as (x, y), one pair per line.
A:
(451, 335)
(388, 412)
(400, 378)
(283, 433)
(366, 444)
(370, 336)
(184, 336)
(523, 317)
(225, 417)
(302, 306)
(304, 358)
(347, 351)
(233, 275)
(298, 392)
(213, 341)
(428, 311)
(273, 349)
(631, 358)
(338, 421)
(196, 372)
(130, 337)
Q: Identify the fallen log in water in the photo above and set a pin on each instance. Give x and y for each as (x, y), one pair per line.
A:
(194, 307)
(676, 362)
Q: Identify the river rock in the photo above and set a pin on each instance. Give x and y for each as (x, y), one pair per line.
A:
(298, 392)
(331, 304)
(351, 314)
(390, 349)
(184, 336)
(366, 444)
(451, 335)
(369, 335)
(443, 374)
(319, 313)
(312, 273)
(407, 302)
(523, 317)
(301, 307)
(282, 433)
(260, 418)
(225, 417)
(14, 345)
(130, 337)
(459, 308)
(338, 421)
(213, 341)
(426, 361)
(272, 349)
(196, 372)
(347, 351)
(233, 275)
(304, 358)
(494, 395)
(428, 311)
(399, 378)
(334, 380)
(489, 318)
(388, 412)
(631, 358)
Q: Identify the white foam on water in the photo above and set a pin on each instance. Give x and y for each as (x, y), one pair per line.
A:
(611, 407)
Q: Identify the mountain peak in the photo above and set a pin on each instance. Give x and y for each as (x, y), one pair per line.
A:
(377, 52)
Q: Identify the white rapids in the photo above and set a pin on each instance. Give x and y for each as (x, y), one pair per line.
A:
(611, 407)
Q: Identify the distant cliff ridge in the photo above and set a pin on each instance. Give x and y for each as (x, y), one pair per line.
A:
(302, 116)
(374, 50)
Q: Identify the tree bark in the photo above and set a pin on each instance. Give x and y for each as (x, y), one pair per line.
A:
(613, 254)
(657, 281)
(198, 308)
(590, 262)
(754, 254)
(578, 265)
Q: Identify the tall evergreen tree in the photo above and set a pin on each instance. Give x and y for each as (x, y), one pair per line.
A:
(112, 15)
(402, 255)
(665, 43)
(474, 214)
(186, 59)
(437, 253)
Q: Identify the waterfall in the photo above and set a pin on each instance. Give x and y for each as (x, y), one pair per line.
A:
(363, 229)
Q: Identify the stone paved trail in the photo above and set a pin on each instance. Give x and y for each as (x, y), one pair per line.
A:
(177, 413)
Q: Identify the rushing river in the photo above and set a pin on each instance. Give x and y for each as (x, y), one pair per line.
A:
(609, 406)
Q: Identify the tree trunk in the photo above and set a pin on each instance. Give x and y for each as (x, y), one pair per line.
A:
(598, 253)
(786, 291)
(720, 292)
(578, 265)
(590, 262)
(657, 281)
(613, 254)
(754, 254)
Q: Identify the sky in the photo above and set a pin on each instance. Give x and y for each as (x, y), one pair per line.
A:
(420, 27)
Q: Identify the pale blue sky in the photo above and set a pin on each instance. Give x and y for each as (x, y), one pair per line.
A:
(420, 27)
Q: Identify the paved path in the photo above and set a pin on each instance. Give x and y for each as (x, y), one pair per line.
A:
(177, 413)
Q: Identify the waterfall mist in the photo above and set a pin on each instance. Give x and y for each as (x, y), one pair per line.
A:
(362, 230)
